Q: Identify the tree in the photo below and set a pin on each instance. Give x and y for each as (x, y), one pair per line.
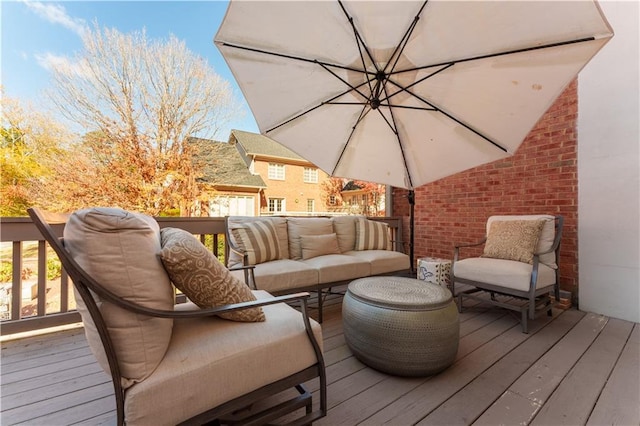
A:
(331, 193)
(139, 100)
(27, 139)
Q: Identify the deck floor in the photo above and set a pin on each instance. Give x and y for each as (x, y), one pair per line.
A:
(574, 368)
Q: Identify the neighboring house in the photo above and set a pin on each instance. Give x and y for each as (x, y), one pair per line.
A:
(293, 184)
(229, 188)
(358, 199)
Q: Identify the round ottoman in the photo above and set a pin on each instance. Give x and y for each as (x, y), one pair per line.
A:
(401, 326)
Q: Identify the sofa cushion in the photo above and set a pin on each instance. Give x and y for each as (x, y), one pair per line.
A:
(372, 235)
(280, 224)
(345, 229)
(383, 261)
(283, 276)
(318, 245)
(259, 240)
(201, 276)
(547, 236)
(505, 273)
(338, 267)
(513, 240)
(120, 250)
(211, 361)
(298, 226)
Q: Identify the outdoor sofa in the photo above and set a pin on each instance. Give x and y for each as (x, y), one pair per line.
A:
(292, 254)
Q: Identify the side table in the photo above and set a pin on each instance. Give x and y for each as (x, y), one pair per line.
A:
(435, 270)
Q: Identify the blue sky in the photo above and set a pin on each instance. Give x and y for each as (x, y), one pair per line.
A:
(34, 33)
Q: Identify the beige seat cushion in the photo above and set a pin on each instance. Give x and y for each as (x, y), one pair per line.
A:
(338, 267)
(284, 275)
(505, 273)
(280, 224)
(119, 249)
(211, 361)
(383, 261)
(201, 276)
(545, 242)
(298, 226)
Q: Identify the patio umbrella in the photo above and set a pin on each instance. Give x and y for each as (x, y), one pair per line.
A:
(405, 93)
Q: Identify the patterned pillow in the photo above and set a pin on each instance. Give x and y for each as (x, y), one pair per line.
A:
(372, 235)
(513, 239)
(259, 240)
(318, 245)
(202, 278)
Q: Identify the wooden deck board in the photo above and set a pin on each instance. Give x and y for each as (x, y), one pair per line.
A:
(570, 369)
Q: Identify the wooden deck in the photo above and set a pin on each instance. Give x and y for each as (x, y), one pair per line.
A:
(574, 368)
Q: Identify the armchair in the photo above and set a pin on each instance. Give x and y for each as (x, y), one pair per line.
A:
(186, 365)
(520, 260)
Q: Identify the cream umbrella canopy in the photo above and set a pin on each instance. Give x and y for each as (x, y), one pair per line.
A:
(405, 93)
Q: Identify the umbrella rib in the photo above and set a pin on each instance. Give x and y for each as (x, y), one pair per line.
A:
(358, 37)
(353, 88)
(394, 128)
(363, 113)
(328, 101)
(505, 53)
(417, 81)
(405, 39)
(297, 58)
(451, 117)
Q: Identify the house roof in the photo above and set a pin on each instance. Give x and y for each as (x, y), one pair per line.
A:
(259, 145)
(351, 186)
(222, 164)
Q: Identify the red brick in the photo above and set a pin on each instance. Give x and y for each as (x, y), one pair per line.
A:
(540, 178)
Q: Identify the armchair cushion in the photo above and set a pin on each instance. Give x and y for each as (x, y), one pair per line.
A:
(547, 236)
(211, 361)
(119, 249)
(513, 240)
(201, 276)
(259, 240)
(505, 273)
(372, 235)
(318, 245)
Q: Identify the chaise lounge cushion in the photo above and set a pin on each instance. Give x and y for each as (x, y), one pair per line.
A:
(120, 250)
(198, 373)
(201, 276)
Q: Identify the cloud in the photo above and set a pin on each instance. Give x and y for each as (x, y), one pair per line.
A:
(63, 64)
(57, 14)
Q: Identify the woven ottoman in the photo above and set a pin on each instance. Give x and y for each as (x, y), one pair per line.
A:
(401, 326)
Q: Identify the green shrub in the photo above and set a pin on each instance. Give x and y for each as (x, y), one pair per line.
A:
(6, 272)
(54, 269)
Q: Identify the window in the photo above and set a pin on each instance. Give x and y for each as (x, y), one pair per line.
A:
(311, 205)
(332, 200)
(232, 205)
(310, 175)
(276, 171)
(276, 205)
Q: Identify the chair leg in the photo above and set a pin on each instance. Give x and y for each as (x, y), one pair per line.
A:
(524, 323)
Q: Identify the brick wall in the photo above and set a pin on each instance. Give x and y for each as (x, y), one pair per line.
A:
(540, 178)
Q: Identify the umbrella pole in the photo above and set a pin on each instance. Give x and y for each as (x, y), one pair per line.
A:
(412, 202)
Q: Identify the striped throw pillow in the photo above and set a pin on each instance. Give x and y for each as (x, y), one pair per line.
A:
(259, 240)
(372, 235)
